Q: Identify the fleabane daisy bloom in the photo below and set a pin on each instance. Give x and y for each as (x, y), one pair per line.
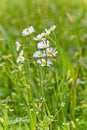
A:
(47, 32)
(39, 54)
(44, 62)
(43, 34)
(17, 46)
(38, 37)
(51, 52)
(20, 58)
(43, 44)
(52, 28)
(28, 31)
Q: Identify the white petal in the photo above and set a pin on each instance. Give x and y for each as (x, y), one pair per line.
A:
(28, 31)
(52, 28)
(17, 46)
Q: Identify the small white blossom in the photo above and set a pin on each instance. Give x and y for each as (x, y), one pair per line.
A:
(28, 31)
(38, 37)
(17, 46)
(39, 54)
(52, 28)
(47, 32)
(43, 44)
(43, 34)
(20, 58)
(51, 52)
(44, 62)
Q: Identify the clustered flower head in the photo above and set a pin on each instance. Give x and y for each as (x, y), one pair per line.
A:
(25, 32)
(44, 52)
(46, 33)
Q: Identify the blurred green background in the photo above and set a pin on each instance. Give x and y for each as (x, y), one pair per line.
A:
(70, 18)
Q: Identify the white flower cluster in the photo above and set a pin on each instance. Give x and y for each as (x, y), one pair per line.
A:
(45, 52)
(47, 32)
(20, 57)
(25, 32)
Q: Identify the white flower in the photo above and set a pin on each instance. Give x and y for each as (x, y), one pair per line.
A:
(39, 54)
(28, 31)
(44, 62)
(43, 34)
(17, 46)
(51, 52)
(38, 37)
(52, 28)
(20, 58)
(47, 32)
(43, 44)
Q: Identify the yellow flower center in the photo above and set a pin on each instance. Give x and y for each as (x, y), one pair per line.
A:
(50, 53)
(44, 62)
(40, 55)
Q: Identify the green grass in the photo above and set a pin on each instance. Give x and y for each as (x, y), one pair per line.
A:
(44, 98)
